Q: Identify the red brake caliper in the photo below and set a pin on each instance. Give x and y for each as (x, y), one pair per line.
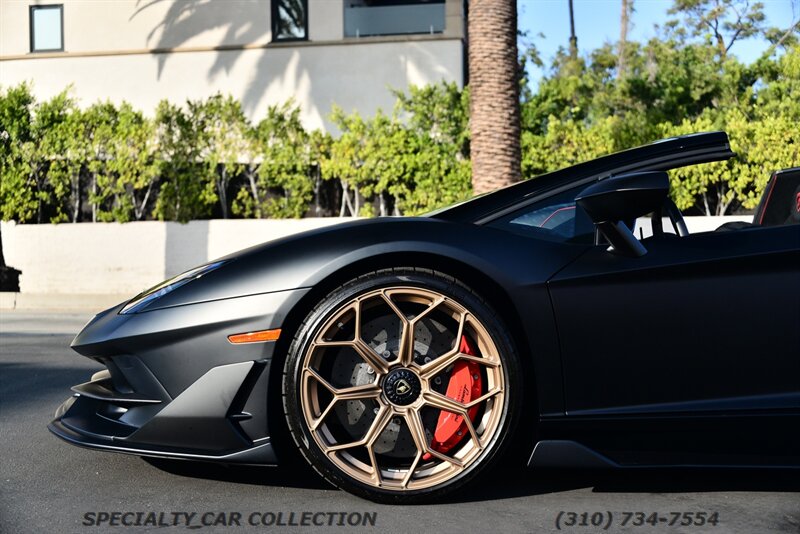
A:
(465, 384)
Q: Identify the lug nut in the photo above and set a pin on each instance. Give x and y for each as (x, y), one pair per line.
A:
(474, 377)
(370, 370)
(437, 380)
(427, 359)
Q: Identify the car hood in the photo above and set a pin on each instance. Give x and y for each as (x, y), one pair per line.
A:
(303, 260)
(294, 261)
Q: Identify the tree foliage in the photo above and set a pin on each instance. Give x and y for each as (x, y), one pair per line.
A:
(205, 158)
(278, 160)
(679, 83)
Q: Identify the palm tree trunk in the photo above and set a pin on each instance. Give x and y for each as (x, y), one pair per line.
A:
(624, 20)
(573, 39)
(494, 94)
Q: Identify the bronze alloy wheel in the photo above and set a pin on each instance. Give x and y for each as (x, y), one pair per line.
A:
(402, 388)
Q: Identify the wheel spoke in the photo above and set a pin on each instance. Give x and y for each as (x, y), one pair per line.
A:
(354, 306)
(483, 397)
(434, 367)
(375, 429)
(383, 417)
(395, 309)
(431, 369)
(406, 355)
(455, 461)
(364, 391)
(417, 430)
(473, 434)
(376, 470)
(313, 425)
(371, 357)
(407, 478)
(437, 400)
(372, 435)
(357, 309)
(418, 433)
(316, 376)
(367, 391)
(432, 306)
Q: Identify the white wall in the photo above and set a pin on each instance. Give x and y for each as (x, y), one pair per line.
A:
(109, 55)
(693, 224)
(102, 26)
(354, 76)
(123, 259)
(116, 25)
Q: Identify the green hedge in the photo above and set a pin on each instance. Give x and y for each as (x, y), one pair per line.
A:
(203, 159)
(60, 162)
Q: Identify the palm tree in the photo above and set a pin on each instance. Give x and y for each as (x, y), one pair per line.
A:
(573, 39)
(494, 94)
(624, 21)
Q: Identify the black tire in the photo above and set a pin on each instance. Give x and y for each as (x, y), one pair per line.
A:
(508, 409)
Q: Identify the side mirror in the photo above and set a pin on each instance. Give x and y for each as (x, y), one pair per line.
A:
(620, 198)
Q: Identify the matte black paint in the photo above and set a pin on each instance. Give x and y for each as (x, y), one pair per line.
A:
(686, 355)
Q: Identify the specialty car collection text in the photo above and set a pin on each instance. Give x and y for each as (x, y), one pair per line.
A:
(229, 519)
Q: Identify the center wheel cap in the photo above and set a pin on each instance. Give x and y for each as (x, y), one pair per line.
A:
(402, 387)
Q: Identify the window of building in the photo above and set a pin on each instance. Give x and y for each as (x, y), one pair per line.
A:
(47, 28)
(289, 20)
(393, 17)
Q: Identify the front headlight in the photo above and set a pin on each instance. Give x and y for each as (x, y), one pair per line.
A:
(143, 299)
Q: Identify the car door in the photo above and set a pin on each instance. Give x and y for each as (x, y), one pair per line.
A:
(706, 325)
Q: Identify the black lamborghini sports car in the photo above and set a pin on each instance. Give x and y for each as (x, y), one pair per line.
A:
(406, 356)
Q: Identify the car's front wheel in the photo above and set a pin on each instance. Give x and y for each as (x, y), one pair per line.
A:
(402, 385)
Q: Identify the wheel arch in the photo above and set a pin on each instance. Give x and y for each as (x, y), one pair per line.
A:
(490, 291)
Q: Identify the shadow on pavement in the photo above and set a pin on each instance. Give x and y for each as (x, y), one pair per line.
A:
(526, 482)
(299, 477)
(40, 384)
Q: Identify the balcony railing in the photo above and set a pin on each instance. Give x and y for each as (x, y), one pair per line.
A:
(363, 21)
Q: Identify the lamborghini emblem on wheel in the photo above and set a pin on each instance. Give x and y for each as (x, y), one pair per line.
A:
(402, 387)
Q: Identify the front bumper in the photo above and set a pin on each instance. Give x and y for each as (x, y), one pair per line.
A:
(174, 386)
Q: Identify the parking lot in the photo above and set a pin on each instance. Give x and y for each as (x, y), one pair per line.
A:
(49, 486)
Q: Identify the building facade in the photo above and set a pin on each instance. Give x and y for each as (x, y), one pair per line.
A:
(263, 52)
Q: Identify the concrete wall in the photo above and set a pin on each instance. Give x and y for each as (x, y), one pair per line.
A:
(123, 259)
(144, 52)
(103, 26)
(693, 224)
(119, 25)
(356, 77)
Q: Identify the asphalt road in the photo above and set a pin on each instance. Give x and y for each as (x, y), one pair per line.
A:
(49, 486)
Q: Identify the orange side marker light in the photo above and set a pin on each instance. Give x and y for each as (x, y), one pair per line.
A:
(262, 336)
